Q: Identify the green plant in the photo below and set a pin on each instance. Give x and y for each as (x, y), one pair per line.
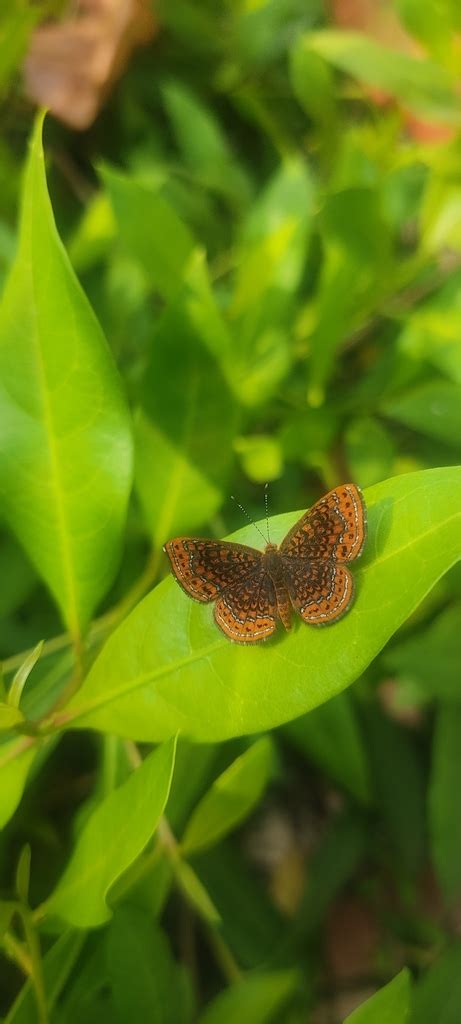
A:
(262, 285)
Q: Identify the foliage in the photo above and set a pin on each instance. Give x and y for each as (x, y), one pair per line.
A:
(249, 270)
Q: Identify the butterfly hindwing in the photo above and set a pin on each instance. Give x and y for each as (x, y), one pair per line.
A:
(334, 528)
(247, 611)
(204, 568)
(320, 591)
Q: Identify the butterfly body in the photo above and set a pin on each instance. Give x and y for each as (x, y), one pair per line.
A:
(306, 573)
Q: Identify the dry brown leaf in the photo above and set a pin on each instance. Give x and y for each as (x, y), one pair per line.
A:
(71, 64)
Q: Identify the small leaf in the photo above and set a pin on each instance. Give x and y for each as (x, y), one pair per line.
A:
(22, 675)
(430, 658)
(230, 798)
(16, 757)
(131, 814)
(150, 229)
(330, 735)
(256, 999)
(433, 408)
(423, 86)
(58, 964)
(9, 717)
(391, 1005)
(66, 454)
(437, 995)
(195, 891)
(23, 874)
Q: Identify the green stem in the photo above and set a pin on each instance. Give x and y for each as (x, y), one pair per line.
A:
(36, 972)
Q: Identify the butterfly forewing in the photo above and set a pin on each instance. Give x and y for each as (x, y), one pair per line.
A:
(334, 528)
(204, 568)
(247, 611)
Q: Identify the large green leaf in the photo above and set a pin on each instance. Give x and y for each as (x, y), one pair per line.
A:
(114, 835)
(167, 667)
(391, 1005)
(65, 460)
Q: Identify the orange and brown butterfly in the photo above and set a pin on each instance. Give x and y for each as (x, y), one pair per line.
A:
(307, 572)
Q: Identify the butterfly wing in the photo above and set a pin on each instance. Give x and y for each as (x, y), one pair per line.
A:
(320, 591)
(205, 568)
(247, 611)
(334, 528)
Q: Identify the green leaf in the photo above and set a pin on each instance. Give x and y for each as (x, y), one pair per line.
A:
(437, 996)
(65, 462)
(313, 84)
(22, 675)
(16, 757)
(334, 864)
(230, 799)
(7, 910)
(167, 667)
(433, 408)
(141, 970)
(444, 817)
(391, 1005)
(270, 264)
(129, 815)
(275, 238)
(254, 933)
(356, 241)
(394, 755)
(330, 735)
(150, 230)
(431, 657)
(183, 432)
(256, 999)
(432, 332)
(370, 451)
(420, 84)
(261, 457)
(204, 147)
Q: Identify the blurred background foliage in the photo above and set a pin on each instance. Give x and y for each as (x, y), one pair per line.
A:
(265, 216)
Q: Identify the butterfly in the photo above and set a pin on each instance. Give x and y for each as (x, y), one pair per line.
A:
(307, 572)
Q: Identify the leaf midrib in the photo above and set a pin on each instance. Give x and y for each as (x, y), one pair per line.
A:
(55, 475)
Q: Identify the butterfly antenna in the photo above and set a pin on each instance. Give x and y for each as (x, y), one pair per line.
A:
(250, 520)
(266, 503)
